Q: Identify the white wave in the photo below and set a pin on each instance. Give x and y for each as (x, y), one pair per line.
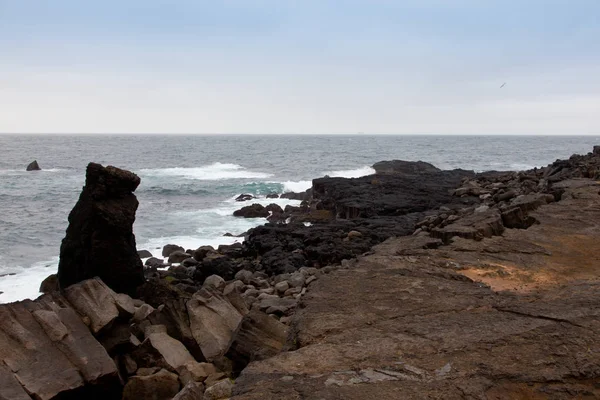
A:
(351, 173)
(212, 172)
(296, 186)
(25, 283)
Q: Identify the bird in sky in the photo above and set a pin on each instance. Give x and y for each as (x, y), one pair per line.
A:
(503, 85)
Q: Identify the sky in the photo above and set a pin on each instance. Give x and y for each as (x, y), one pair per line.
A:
(305, 66)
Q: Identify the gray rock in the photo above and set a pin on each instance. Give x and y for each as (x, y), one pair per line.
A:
(296, 279)
(214, 281)
(144, 253)
(178, 256)
(170, 248)
(281, 287)
(155, 263)
(244, 276)
(173, 351)
(220, 390)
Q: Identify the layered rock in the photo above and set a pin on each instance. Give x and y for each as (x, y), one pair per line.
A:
(99, 239)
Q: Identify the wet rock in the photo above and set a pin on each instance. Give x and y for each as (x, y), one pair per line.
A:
(33, 166)
(253, 211)
(99, 239)
(162, 385)
(244, 197)
(272, 196)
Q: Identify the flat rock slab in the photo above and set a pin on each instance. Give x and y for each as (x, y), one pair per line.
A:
(508, 317)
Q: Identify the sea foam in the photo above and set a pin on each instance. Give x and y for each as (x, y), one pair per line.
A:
(212, 172)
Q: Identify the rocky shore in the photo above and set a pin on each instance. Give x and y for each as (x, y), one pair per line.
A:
(410, 283)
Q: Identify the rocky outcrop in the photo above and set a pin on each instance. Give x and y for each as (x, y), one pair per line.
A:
(400, 167)
(99, 240)
(253, 211)
(48, 350)
(33, 166)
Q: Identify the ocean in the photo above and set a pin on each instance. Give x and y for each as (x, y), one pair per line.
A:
(189, 182)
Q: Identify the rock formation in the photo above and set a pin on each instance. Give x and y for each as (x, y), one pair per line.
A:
(33, 166)
(100, 240)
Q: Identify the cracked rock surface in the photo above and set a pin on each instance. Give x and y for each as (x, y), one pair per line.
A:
(515, 316)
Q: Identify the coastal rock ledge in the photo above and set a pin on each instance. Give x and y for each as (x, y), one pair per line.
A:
(100, 240)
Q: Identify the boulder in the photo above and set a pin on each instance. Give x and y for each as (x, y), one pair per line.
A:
(144, 253)
(214, 281)
(50, 284)
(162, 385)
(253, 211)
(178, 256)
(48, 350)
(170, 248)
(296, 196)
(155, 263)
(195, 372)
(400, 167)
(274, 208)
(173, 351)
(202, 252)
(272, 196)
(244, 275)
(33, 166)
(99, 239)
(244, 197)
(191, 391)
(219, 391)
(259, 337)
(214, 322)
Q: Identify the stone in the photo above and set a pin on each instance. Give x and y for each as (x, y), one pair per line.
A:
(244, 197)
(191, 391)
(47, 349)
(33, 166)
(129, 365)
(50, 284)
(190, 262)
(202, 252)
(124, 304)
(354, 235)
(173, 351)
(155, 262)
(272, 196)
(144, 254)
(142, 312)
(259, 337)
(475, 226)
(281, 287)
(296, 279)
(178, 256)
(162, 385)
(214, 281)
(235, 286)
(253, 211)
(275, 304)
(214, 322)
(219, 391)
(93, 299)
(168, 249)
(310, 280)
(99, 240)
(194, 371)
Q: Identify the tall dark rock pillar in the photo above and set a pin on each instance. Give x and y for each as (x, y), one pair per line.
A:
(100, 240)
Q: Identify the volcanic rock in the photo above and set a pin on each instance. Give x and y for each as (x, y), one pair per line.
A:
(100, 240)
(33, 166)
(244, 197)
(253, 211)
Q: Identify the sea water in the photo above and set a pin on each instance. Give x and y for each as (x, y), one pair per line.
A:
(189, 183)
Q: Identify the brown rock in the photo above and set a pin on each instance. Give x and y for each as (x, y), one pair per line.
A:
(162, 385)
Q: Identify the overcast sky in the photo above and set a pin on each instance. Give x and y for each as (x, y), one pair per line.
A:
(250, 66)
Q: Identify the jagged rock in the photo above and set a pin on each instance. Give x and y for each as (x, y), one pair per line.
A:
(48, 349)
(144, 253)
(259, 337)
(162, 385)
(170, 248)
(219, 391)
(191, 391)
(214, 322)
(253, 211)
(173, 351)
(244, 197)
(50, 284)
(33, 166)
(99, 239)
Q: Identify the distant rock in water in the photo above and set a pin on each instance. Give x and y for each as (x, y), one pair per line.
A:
(33, 166)
(100, 240)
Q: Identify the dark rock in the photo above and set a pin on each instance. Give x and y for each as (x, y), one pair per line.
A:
(272, 196)
(274, 208)
(202, 252)
(190, 262)
(178, 256)
(253, 211)
(475, 226)
(155, 262)
(399, 167)
(162, 385)
(215, 265)
(244, 197)
(100, 240)
(170, 248)
(50, 284)
(33, 166)
(297, 196)
(144, 253)
(229, 235)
